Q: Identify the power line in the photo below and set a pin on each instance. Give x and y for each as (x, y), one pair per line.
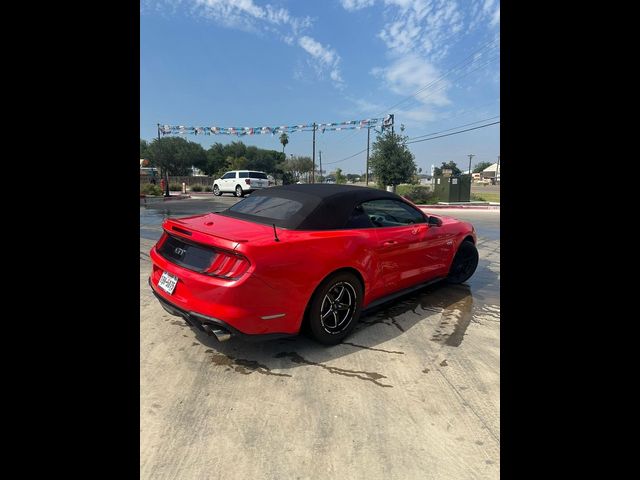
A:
(465, 74)
(346, 158)
(443, 76)
(454, 133)
(414, 140)
(435, 91)
(454, 128)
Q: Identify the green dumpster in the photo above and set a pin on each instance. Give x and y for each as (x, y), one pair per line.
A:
(453, 189)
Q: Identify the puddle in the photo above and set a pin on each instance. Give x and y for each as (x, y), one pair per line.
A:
(240, 365)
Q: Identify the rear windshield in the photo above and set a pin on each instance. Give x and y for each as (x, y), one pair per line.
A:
(257, 175)
(267, 207)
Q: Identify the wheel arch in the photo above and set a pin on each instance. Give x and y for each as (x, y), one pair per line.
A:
(351, 270)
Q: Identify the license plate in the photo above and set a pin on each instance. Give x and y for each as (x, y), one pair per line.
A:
(168, 282)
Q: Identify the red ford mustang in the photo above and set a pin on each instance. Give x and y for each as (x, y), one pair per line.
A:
(304, 253)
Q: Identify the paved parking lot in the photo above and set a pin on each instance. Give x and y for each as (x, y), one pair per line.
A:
(413, 393)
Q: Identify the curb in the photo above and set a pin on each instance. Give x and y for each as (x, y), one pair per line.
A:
(466, 207)
(163, 199)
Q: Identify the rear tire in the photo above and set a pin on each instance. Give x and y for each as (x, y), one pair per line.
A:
(239, 192)
(464, 264)
(216, 191)
(335, 308)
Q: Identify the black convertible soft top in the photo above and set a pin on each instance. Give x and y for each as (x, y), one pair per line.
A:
(305, 207)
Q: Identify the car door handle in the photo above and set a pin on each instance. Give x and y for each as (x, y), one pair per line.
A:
(388, 243)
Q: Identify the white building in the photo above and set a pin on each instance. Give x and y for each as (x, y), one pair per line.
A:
(492, 172)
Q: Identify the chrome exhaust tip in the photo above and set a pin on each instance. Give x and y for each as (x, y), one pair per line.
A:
(221, 335)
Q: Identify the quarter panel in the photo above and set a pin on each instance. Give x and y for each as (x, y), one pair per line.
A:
(301, 260)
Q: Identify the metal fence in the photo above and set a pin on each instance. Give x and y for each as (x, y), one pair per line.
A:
(204, 181)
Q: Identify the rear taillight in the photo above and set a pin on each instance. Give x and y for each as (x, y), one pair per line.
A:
(247, 181)
(229, 266)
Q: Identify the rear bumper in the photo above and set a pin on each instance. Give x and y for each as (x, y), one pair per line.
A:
(201, 322)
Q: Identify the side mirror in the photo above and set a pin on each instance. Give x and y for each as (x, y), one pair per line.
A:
(434, 222)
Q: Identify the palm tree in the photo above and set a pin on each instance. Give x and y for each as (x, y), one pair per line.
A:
(284, 139)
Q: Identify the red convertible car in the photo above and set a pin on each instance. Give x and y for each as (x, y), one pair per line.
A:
(317, 254)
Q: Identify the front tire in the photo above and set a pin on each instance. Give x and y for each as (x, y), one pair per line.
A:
(464, 264)
(239, 192)
(216, 191)
(335, 308)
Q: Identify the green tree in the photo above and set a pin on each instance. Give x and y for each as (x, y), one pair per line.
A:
(239, 163)
(193, 155)
(352, 177)
(481, 166)
(174, 156)
(298, 167)
(287, 178)
(144, 147)
(284, 139)
(340, 178)
(391, 161)
(447, 165)
(216, 160)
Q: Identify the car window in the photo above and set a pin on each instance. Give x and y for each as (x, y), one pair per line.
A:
(258, 175)
(229, 175)
(391, 213)
(359, 219)
(268, 207)
(243, 174)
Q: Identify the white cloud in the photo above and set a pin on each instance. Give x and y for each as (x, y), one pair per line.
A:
(353, 5)
(325, 57)
(263, 19)
(246, 14)
(495, 20)
(483, 11)
(364, 106)
(409, 74)
(421, 26)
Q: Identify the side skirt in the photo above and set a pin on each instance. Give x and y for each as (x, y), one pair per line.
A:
(400, 293)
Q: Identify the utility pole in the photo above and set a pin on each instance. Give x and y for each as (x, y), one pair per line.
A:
(471, 155)
(313, 170)
(166, 173)
(320, 152)
(367, 174)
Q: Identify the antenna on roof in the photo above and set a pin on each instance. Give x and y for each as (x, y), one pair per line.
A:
(275, 234)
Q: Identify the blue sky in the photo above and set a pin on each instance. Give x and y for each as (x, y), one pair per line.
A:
(253, 63)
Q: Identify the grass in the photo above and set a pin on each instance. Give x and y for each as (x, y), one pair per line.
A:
(150, 189)
(486, 197)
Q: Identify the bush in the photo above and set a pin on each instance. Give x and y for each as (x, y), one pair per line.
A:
(150, 189)
(208, 188)
(175, 187)
(196, 188)
(418, 194)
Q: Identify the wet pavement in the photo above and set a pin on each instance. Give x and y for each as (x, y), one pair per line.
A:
(412, 393)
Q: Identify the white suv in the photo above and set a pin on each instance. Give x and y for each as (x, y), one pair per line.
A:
(240, 182)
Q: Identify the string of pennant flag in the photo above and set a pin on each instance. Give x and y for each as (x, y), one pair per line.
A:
(309, 127)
